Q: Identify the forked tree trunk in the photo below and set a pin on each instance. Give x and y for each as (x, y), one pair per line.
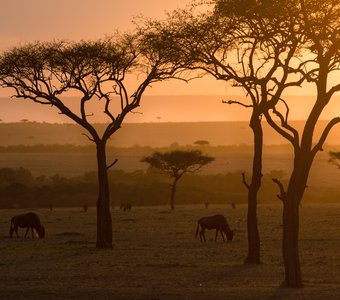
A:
(104, 220)
(253, 256)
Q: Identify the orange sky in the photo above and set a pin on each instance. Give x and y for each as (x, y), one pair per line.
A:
(25, 21)
(22, 21)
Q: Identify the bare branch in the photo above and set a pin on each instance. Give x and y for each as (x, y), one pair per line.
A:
(112, 164)
(91, 139)
(283, 195)
(279, 129)
(237, 102)
(329, 126)
(244, 181)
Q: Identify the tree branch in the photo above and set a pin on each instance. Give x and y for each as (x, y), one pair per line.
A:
(112, 164)
(281, 131)
(91, 139)
(329, 126)
(283, 195)
(244, 181)
(237, 102)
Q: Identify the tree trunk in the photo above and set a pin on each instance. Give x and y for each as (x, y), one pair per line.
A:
(290, 245)
(173, 193)
(104, 221)
(253, 256)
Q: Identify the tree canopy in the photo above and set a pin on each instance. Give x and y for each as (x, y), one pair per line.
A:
(176, 163)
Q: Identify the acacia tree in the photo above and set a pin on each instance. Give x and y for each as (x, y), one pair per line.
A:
(177, 163)
(320, 61)
(249, 44)
(262, 47)
(94, 71)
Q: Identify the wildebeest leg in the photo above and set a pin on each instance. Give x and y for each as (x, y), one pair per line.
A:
(202, 234)
(13, 229)
(216, 233)
(32, 232)
(27, 231)
(222, 235)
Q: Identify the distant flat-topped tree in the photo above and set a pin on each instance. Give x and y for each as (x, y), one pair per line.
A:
(176, 163)
(96, 72)
(201, 143)
(334, 158)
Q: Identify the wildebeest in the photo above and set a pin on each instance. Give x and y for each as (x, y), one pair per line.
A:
(30, 221)
(126, 206)
(217, 222)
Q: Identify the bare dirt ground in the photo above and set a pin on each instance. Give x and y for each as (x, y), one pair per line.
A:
(156, 256)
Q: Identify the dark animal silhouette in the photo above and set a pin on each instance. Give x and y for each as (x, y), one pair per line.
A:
(126, 206)
(217, 222)
(30, 221)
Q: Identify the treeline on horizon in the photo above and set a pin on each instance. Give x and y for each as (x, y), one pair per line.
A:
(71, 148)
(20, 189)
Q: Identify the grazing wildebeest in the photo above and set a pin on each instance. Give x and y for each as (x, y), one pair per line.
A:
(217, 222)
(126, 206)
(30, 221)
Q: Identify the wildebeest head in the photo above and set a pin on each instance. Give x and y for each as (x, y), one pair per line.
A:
(41, 232)
(230, 235)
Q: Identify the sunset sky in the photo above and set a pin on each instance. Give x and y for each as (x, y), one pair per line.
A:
(26, 21)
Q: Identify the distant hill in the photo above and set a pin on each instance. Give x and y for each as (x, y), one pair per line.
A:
(149, 134)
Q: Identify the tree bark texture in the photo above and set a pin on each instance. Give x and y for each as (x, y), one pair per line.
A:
(254, 256)
(104, 220)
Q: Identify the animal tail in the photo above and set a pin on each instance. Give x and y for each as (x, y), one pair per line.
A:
(197, 229)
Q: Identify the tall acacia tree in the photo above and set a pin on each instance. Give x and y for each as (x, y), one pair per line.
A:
(177, 163)
(320, 61)
(249, 44)
(96, 72)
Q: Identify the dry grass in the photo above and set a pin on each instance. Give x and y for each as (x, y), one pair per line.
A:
(155, 256)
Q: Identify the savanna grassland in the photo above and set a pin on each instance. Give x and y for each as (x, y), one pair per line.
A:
(155, 253)
(156, 256)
